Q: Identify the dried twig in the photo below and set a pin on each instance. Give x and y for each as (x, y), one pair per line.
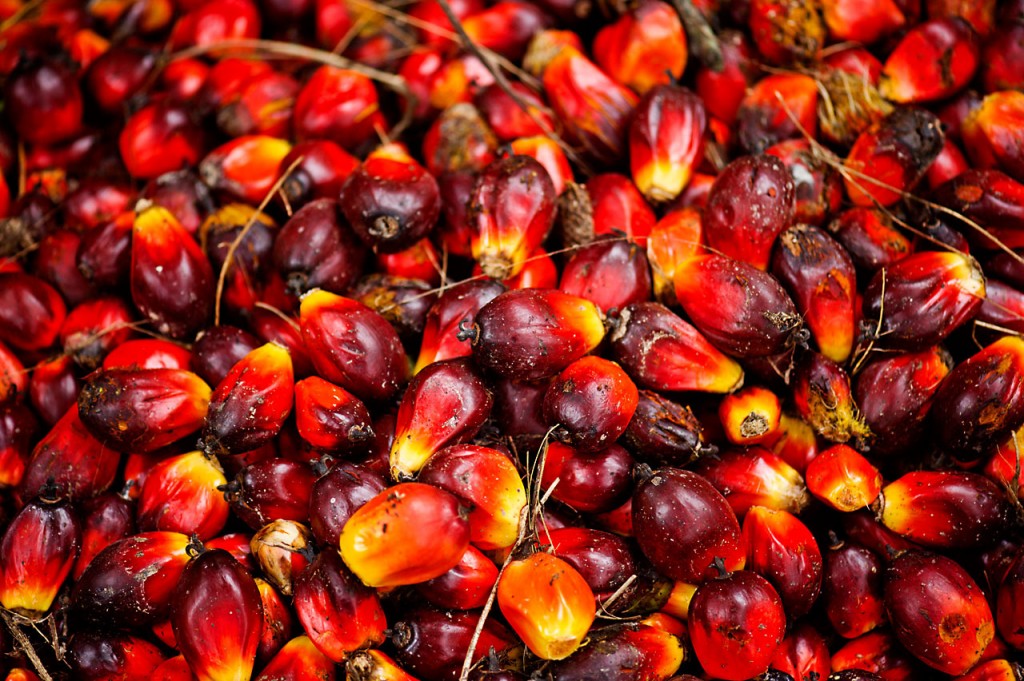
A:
(25, 645)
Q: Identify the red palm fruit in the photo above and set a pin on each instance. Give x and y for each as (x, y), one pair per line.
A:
(402, 302)
(352, 346)
(853, 589)
(947, 165)
(512, 208)
(337, 105)
(106, 519)
(937, 611)
(459, 139)
(741, 310)
(869, 238)
(990, 199)
(219, 348)
(263, 107)
(754, 477)
(330, 417)
(506, 119)
(590, 403)
(981, 400)
(506, 27)
(548, 604)
(142, 410)
(21, 674)
(817, 188)
(945, 509)
(31, 312)
(776, 108)
(676, 238)
(723, 90)
(117, 75)
(530, 334)
(407, 534)
(208, 24)
(630, 653)
(661, 351)
(993, 670)
(455, 307)
(891, 157)
(666, 141)
(445, 404)
(458, 80)
(863, 22)
(237, 544)
(249, 407)
(485, 481)
(1001, 59)
(37, 552)
(688, 524)
(785, 30)
(56, 262)
(604, 560)
(322, 169)
(990, 135)
(797, 443)
(663, 432)
(595, 108)
(160, 138)
(298, 660)
(843, 479)
(750, 416)
(1008, 602)
(588, 482)
(246, 167)
(466, 586)
(803, 653)
(644, 48)
(619, 207)
(821, 392)
(736, 623)
(432, 644)
(419, 261)
(1003, 306)
(750, 204)
(184, 194)
(94, 656)
(315, 249)
(171, 279)
(877, 653)
(781, 549)
(43, 88)
(549, 154)
(278, 622)
(390, 201)
(249, 264)
(912, 73)
(924, 297)
(180, 494)
(72, 459)
(270, 490)
(19, 429)
(150, 353)
(865, 529)
(94, 328)
(217, 617)
(895, 393)
(271, 327)
(336, 495)
(14, 378)
(857, 61)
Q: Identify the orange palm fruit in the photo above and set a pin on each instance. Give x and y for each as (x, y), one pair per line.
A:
(217, 617)
(590, 403)
(246, 167)
(407, 534)
(842, 478)
(754, 477)
(782, 549)
(913, 71)
(181, 494)
(991, 133)
(456, 306)
(777, 108)
(547, 603)
(329, 417)
(666, 141)
(644, 48)
(674, 239)
(750, 416)
(862, 21)
(298, 660)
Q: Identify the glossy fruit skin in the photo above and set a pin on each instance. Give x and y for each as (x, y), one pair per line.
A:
(446, 403)
(512, 208)
(271, 490)
(432, 643)
(775, 109)
(895, 394)
(937, 611)
(337, 612)
(336, 495)
(589, 482)
(548, 603)
(331, 418)
(94, 656)
(298, 660)
(989, 382)
(869, 237)
(487, 483)
(105, 519)
(387, 541)
(44, 89)
(853, 583)
(945, 509)
(610, 272)
(352, 346)
(160, 138)
(751, 203)
(530, 334)
(37, 552)
(781, 549)
(736, 623)
(603, 559)
(337, 105)
(753, 316)
(910, 74)
(455, 306)
(217, 617)
(592, 401)
(630, 653)
(663, 432)
(750, 416)
(661, 351)
(19, 428)
(876, 653)
(31, 311)
(644, 48)
(53, 388)
(689, 525)
(181, 494)
(753, 476)
(803, 652)
(666, 139)
(315, 249)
